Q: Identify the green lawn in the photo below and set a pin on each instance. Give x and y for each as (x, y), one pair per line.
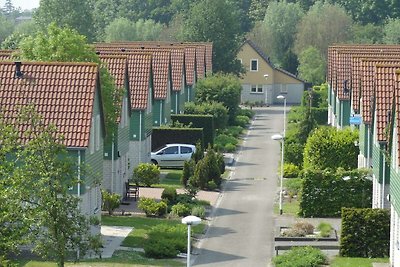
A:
(291, 208)
(170, 177)
(119, 259)
(355, 262)
(142, 225)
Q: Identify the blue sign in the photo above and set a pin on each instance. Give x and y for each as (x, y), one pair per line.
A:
(355, 119)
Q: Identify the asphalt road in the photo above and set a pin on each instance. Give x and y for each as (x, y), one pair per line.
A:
(241, 231)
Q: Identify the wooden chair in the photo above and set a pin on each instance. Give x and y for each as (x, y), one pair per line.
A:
(132, 191)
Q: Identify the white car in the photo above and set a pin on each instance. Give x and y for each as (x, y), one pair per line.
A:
(172, 155)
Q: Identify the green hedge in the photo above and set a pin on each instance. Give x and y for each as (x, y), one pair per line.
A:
(365, 233)
(199, 121)
(324, 193)
(320, 115)
(162, 136)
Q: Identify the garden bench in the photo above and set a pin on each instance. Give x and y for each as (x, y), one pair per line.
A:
(321, 247)
(131, 191)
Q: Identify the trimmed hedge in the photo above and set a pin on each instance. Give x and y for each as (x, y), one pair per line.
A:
(162, 136)
(324, 193)
(365, 233)
(199, 121)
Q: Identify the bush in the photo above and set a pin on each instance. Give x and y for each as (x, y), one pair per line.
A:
(293, 186)
(290, 170)
(110, 201)
(325, 229)
(146, 173)
(213, 169)
(324, 193)
(199, 153)
(169, 195)
(151, 207)
(221, 162)
(299, 229)
(300, 257)
(165, 241)
(185, 199)
(234, 131)
(224, 139)
(200, 177)
(365, 233)
(242, 121)
(246, 112)
(199, 211)
(216, 109)
(230, 148)
(211, 186)
(181, 210)
(188, 171)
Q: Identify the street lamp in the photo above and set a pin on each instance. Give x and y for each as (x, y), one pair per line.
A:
(189, 221)
(281, 138)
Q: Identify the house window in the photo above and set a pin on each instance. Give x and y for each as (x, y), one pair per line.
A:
(97, 132)
(256, 88)
(254, 65)
(283, 88)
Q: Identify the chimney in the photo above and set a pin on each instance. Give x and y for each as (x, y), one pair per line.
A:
(18, 73)
(97, 52)
(123, 49)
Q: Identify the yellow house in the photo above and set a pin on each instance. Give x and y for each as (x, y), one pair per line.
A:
(263, 82)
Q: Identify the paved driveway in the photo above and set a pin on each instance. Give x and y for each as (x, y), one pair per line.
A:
(241, 232)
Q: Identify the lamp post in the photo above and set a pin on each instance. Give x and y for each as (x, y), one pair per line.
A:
(189, 221)
(281, 138)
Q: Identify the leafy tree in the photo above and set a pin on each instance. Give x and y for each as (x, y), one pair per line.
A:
(204, 23)
(124, 30)
(174, 31)
(312, 66)
(323, 25)
(6, 28)
(75, 14)
(41, 183)
(367, 34)
(391, 31)
(257, 10)
(66, 45)
(371, 11)
(279, 26)
(220, 88)
(328, 147)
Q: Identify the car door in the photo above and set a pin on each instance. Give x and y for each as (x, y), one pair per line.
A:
(186, 154)
(169, 157)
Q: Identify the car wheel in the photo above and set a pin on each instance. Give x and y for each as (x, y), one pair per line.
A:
(154, 162)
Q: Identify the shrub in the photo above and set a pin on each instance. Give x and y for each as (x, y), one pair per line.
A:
(221, 162)
(293, 186)
(365, 233)
(169, 195)
(325, 229)
(242, 121)
(151, 207)
(216, 109)
(213, 169)
(185, 199)
(188, 171)
(307, 227)
(200, 177)
(110, 201)
(199, 153)
(290, 170)
(224, 139)
(165, 241)
(230, 148)
(246, 112)
(324, 193)
(181, 210)
(234, 131)
(211, 185)
(199, 211)
(300, 257)
(147, 174)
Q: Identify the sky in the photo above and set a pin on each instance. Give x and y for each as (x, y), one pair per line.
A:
(23, 4)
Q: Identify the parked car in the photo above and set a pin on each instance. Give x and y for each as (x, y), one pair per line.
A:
(172, 155)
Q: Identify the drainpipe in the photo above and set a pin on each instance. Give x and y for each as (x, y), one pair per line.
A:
(79, 191)
(140, 135)
(383, 181)
(368, 147)
(177, 104)
(161, 112)
(112, 163)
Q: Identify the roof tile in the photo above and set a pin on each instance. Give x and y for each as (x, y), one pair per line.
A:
(54, 89)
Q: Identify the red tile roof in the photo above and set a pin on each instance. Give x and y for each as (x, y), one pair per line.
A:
(397, 110)
(200, 61)
(367, 84)
(385, 93)
(62, 93)
(190, 64)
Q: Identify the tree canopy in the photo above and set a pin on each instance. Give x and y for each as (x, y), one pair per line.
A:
(216, 21)
(122, 29)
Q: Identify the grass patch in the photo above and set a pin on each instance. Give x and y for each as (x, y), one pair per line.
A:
(171, 178)
(291, 208)
(119, 259)
(355, 262)
(141, 226)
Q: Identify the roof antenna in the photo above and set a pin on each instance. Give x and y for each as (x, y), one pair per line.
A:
(18, 73)
(123, 49)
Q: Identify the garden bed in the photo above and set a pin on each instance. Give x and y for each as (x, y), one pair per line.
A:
(313, 237)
